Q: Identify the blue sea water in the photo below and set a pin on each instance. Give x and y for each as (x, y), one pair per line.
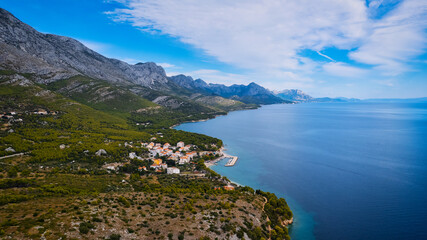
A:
(348, 170)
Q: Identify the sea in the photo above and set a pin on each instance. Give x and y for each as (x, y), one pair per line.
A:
(347, 170)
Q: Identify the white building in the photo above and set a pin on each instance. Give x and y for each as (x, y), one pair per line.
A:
(180, 144)
(172, 170)
(184, 160)
(132, 155)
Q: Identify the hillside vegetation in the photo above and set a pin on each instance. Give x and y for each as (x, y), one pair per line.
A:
(59, 188)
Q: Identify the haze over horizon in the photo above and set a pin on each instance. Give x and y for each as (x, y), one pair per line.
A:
(362, 49)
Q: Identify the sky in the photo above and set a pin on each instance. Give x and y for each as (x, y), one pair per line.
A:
(333, 48)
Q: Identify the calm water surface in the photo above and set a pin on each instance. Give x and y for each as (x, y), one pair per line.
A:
(348, 170)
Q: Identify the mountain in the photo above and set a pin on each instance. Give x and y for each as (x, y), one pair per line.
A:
(294, 95)
(335, 100)
(75, 127)
(250, 94)
(52, 57)
(68, 67)
(396, 100)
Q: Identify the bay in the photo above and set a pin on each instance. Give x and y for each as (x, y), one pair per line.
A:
(348, 170)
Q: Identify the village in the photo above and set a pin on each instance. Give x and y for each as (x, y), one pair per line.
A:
(180, 159)
(153, 157)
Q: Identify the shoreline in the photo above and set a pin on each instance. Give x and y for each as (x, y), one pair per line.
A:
(206, 119)
(194, 121)
(214, 162)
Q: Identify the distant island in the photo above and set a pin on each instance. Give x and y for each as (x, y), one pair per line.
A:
(87, 149)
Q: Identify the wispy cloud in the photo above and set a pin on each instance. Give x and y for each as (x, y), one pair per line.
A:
(396, 39)
(252, 34)
(325, 56)
(344, 70)
(266, 36)
(167, 65)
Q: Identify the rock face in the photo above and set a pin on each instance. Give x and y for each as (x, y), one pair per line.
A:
(294, 95)
(252, 93)
(53, 57)
(101, 152)
(9, 149)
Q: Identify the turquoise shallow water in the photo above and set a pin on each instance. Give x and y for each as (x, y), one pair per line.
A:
(348, 170)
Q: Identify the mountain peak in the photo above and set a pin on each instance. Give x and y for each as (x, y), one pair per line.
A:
(294, 95)
(51, 57)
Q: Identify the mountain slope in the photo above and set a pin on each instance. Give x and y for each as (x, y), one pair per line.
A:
(250, 94)
(54, 57)
(294, 95)
(100, 95)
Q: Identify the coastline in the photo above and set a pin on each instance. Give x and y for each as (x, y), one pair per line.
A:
(300, 226)
(194, 121)
(212, 163)
(219, 115)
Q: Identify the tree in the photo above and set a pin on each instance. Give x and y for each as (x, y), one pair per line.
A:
(13, 172)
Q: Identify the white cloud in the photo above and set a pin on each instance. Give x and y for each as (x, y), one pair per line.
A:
(166, 65)
(325, 56)
(396, 39)
(266, 36)
(252, 34)
(344, 70)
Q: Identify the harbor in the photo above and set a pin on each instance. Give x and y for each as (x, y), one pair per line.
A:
(232, 161)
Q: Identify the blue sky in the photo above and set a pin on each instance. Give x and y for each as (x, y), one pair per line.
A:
(350, 48)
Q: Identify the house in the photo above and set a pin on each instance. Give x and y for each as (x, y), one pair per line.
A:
(172, 170)
(166, 145)
(132, 155)
(150, 145)
(157, 161)
(112, 166)
(142, 168)
(175, 156)
(155, 151)
(229, 188)
(187, 148)
(41, 112)
(184, 159)
(169, 152)
(180, 144)
(192, 154)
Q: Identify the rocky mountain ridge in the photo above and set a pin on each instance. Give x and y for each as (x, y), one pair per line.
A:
(251, 93)
(53, 57)
(294, 95)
